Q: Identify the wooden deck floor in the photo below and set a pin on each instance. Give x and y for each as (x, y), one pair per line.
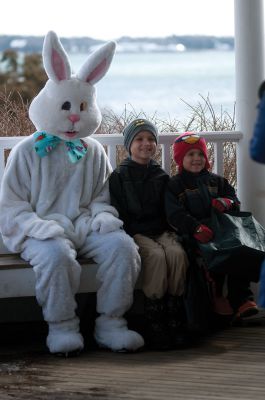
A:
(227, 365)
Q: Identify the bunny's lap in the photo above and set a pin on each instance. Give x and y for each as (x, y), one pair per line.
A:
(58, 273)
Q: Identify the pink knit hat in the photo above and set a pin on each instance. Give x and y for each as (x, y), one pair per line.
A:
(185, 142)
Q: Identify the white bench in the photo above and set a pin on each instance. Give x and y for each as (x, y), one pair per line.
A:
(18, 279)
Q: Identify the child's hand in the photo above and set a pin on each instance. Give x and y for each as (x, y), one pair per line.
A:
(203, 234)
(222, 204)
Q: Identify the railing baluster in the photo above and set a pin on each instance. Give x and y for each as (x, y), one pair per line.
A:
(218, 158)
(110, 141)
(166, 159)
(2, 162)
(112, 155)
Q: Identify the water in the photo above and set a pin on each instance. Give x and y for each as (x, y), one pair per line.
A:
(156, 82)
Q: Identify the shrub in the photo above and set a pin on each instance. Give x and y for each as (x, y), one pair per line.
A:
(14, 121)
(201, 117)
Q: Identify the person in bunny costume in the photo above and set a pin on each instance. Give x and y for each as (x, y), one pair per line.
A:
(54, 204)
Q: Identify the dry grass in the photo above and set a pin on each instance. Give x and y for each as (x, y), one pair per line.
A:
(201, 117)
(14, 121)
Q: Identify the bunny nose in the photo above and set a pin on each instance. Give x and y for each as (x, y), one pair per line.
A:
(74, 118)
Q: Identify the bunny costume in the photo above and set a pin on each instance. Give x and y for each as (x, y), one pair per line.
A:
(54, 204)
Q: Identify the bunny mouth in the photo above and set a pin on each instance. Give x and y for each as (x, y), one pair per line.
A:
(71, 134)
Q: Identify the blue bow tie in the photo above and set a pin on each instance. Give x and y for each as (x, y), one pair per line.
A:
(45, 143)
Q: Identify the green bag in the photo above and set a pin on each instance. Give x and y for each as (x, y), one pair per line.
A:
(238, 246)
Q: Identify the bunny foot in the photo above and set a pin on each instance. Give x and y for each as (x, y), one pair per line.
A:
(64, 337)
(114, 334)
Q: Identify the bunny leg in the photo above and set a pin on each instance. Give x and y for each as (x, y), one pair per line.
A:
(57, 280)
(119, 266)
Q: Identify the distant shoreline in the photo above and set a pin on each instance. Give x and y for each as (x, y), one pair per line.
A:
(33, 44)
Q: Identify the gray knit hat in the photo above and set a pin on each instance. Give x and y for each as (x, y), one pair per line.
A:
(135, 127)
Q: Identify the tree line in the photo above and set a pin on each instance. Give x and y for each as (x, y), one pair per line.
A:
(21, 76)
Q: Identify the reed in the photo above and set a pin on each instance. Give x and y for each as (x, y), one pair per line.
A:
(14, 121)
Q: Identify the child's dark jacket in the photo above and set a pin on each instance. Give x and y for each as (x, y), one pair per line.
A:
(137, 192)
(188, 198)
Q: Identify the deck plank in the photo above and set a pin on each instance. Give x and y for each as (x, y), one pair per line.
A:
(228, 365)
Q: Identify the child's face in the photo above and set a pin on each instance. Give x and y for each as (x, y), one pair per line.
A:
(143, 147)
(194, 161)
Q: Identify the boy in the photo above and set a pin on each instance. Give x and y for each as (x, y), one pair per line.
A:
(137, 191)
(190, 196)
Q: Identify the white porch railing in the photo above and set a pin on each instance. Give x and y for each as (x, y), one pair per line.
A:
(165, 140)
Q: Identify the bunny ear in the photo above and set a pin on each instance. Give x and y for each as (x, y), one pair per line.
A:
(55, 60)
(97, 64)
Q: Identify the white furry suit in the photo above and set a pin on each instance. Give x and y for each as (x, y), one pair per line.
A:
(50, 210)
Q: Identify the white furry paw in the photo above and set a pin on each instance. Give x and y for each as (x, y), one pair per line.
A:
(64, 337)
(105, 223)
(65, 342)
(114, 334)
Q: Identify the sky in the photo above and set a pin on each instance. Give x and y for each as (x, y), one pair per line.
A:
(111, 19)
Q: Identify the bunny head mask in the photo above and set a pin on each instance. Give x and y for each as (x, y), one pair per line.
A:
(66, 107)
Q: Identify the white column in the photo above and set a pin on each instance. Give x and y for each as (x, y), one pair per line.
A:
(249, 61)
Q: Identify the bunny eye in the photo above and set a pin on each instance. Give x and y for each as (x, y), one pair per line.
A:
(83, 106)
(66, 105)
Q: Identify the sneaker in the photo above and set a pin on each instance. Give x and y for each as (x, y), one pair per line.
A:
(247, 309)
(222, 306)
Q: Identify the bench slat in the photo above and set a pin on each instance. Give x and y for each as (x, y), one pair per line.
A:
(18, 279)
(14, 261)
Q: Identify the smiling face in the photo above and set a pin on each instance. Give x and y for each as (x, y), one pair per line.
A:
(194, 161)
(143, 147)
